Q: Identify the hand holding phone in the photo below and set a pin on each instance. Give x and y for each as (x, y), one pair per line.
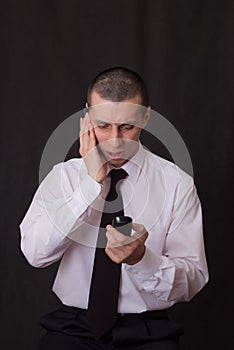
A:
(123, 224)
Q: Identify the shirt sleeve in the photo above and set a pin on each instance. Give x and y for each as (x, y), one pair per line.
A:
(181, 271)
(58, 208)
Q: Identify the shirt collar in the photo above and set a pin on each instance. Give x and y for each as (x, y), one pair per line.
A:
(134, 165)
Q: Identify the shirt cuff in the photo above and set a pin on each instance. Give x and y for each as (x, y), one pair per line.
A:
(147, 266)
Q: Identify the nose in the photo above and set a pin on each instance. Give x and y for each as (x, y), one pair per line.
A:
(116, 137)
(115, 134)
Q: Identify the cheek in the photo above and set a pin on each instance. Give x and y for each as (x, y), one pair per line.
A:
(135, 135)
(100, 136)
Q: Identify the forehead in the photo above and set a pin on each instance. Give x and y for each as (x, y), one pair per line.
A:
(116, 112)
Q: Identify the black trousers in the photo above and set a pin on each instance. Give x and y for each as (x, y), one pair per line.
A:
(68, 329)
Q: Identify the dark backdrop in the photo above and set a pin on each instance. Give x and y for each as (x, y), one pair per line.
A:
(49, 52)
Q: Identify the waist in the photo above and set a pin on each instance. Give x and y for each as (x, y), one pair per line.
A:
(146, 314)
(154, 314)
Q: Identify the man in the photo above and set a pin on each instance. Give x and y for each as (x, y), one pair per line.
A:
(161, 263)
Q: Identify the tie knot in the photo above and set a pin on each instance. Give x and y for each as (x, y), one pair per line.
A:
(117, 175)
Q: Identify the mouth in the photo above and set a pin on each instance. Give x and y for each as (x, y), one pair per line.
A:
(115, 155)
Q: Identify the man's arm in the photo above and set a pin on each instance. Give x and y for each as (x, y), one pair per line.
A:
(57, 209)
(181, 272)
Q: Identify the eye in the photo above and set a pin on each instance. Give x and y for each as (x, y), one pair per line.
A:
(103, 126)
(126, 127)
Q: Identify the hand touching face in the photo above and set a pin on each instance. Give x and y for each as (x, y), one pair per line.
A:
(94, 160)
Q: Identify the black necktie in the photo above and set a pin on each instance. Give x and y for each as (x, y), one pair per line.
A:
(104, 289)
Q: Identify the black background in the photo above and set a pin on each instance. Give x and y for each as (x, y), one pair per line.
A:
(50, 50)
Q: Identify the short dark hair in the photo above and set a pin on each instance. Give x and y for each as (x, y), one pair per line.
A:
(118, 84)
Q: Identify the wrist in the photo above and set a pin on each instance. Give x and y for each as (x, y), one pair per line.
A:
(136, 259)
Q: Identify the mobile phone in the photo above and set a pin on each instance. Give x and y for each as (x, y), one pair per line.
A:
(123, 224)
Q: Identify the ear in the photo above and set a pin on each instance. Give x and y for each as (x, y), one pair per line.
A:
(86, 105)
(146, 116)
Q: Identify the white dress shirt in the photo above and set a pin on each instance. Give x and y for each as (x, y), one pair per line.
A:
(63, 220)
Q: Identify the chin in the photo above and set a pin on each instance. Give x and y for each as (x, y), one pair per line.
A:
(117, 163)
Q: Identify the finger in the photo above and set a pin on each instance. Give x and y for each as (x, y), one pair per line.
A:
(113, 255)
(81, 135)
(88, 140)
(81, 126)
(92, 135)
(90, 125)
(116, 238)
(140, 238)
(117, 234)
(84, 122)
(138, 227)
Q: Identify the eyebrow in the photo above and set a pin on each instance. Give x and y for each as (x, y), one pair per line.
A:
(128, 122)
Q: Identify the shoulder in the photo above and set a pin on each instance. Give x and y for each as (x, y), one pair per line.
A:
(169, 170)
(69, 165)
(68, 169)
